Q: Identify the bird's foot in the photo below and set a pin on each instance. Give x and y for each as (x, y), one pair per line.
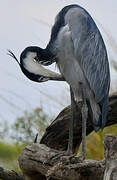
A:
(82, 157)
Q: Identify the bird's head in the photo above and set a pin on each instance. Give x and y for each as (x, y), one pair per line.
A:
(42, 56)
(31, 60)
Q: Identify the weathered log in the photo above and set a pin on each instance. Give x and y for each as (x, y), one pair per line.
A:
(56, 135)
(10, 175)
(34, 164)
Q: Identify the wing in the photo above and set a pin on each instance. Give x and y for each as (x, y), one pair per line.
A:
(90, 51)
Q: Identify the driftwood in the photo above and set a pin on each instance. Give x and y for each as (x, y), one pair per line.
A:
(33, 162)
(34, 158)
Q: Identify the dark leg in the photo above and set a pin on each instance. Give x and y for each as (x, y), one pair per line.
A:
(84, 120)
(71, 122)
(70, 142)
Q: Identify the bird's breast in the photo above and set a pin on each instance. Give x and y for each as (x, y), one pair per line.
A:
(67, 62)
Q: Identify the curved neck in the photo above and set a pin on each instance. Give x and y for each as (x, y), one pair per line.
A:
(49, 75)
(34, 70)
(47, 54)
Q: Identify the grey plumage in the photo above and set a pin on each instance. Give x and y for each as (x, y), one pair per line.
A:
(81, 57)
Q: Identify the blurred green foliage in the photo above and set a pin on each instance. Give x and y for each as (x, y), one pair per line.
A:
(26, 127)
(95, 149)
(9, 156)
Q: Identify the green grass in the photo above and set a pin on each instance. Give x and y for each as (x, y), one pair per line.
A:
(9, 155)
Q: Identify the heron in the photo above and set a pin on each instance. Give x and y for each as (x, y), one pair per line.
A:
(77, 47)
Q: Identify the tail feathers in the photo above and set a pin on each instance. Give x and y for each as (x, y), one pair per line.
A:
(105, 109)
(96, 112)
(97, 126)
(100, 118)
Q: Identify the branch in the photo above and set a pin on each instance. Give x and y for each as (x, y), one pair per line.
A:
(33, 161)
(34, 164)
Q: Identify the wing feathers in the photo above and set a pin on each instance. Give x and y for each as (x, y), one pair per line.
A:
(90, 51)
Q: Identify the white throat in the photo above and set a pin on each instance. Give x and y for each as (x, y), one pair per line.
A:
(34, 67)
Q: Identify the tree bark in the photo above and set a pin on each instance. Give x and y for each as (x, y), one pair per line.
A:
(33, 161)
(34, 158)
(10, 175)
(110, 146)
(34, 164)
